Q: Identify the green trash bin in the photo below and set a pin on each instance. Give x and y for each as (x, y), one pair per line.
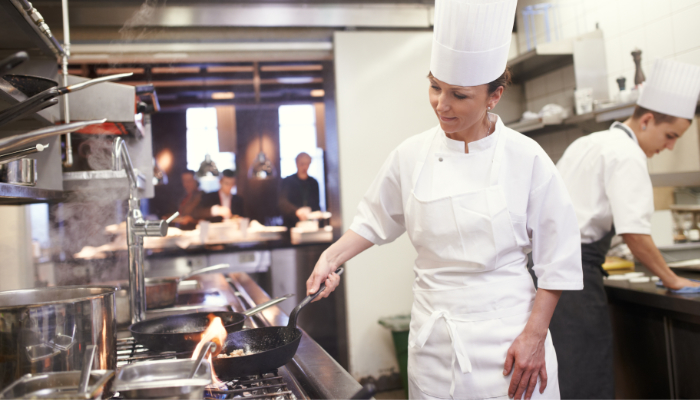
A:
(399, 326)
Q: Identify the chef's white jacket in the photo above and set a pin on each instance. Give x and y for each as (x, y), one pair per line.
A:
(606, 174)
(541, 212)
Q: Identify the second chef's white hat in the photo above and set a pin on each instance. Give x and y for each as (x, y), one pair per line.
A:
(672, 89)
(471, 40)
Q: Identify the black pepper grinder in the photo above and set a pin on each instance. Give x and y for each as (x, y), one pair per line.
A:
(621, 83)
(638, 73)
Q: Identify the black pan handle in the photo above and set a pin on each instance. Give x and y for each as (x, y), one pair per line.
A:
(33, 104)
(293, 316)
(366, 392)
(12, 61)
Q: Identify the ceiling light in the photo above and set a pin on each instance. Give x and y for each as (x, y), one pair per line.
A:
(117, 70)
(175, 70)
(229, 68)
(280, 68)
(296, 80)
(222, 95)
(318, 93)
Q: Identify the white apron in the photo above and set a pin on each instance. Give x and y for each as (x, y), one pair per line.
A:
(459, 336)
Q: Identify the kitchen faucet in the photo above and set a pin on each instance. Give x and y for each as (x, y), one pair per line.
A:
(136, 229)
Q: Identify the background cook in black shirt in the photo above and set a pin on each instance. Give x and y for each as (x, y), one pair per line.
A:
(300, 193)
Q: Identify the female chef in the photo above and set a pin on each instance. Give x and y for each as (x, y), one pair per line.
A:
(474, 197)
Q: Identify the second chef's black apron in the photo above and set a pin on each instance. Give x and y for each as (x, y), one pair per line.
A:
(582, 333)
(581, 328)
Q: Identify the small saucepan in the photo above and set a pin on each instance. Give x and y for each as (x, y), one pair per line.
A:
(9, 63)
(183, 332)
(160, 292)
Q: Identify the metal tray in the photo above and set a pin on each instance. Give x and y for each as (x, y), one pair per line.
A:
(688, 265)
(57, 385)
(162, 379)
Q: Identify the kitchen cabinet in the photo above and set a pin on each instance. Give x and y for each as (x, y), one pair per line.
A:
(656, 340)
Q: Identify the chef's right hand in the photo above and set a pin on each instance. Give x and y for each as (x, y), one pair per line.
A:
(220, 211)
(323, 272)
(680, 283)
(303, 213)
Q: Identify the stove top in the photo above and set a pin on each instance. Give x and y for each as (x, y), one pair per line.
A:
(279, 384)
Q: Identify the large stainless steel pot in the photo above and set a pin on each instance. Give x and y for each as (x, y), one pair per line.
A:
(48, 329)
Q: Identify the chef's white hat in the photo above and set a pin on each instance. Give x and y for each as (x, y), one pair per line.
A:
(672, 89)
(471, 39)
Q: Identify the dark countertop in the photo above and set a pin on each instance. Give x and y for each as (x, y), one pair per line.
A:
(648, 294)
(229, 248)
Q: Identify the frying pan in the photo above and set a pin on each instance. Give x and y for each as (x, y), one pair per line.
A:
(183, 332)
(271, 347)
(30, 85)
(10, 62)
(162, 292)
(43, 98)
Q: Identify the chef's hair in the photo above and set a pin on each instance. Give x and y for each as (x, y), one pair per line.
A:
(302, 154)
(659, 118)
(503, 80)
(227, 173)
(194, 175)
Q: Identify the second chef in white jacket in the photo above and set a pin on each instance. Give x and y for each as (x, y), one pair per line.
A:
(475, 198)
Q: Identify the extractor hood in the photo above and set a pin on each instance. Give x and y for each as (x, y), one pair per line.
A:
(113, 101)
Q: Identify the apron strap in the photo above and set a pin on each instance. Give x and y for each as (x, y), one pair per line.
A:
(624, 128)
(499, 152)
(459, 354)
(423, 155)
(497, 157)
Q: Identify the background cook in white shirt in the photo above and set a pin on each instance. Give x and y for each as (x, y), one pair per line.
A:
(606, 175)
(474, 198)
(608, 180)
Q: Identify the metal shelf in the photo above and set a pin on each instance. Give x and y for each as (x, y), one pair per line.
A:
(606, 114)
(18, 32)
(115, 182)
(542, 59)
(16, 194)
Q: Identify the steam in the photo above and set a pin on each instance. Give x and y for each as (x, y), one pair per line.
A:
(136, 27)
(98, 153)
(81, 220)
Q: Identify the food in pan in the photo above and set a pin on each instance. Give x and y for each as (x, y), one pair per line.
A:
(235, 353)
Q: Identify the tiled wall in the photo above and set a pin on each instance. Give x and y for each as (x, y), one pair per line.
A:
(554, 143)
(554, 87)
(660, 28)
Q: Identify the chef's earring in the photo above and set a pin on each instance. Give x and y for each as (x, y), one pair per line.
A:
(644, 127)
(488, 108)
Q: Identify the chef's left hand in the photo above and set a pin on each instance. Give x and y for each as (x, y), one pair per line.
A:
(525, 358)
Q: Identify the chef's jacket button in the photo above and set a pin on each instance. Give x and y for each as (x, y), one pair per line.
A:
(440, 159)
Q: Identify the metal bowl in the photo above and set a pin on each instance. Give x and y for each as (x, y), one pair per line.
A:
(57, 385)
(19, 172)
(47, 330)
(163, 379)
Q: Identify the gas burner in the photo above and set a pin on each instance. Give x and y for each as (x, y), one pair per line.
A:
(264, 386)
(128, 351)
